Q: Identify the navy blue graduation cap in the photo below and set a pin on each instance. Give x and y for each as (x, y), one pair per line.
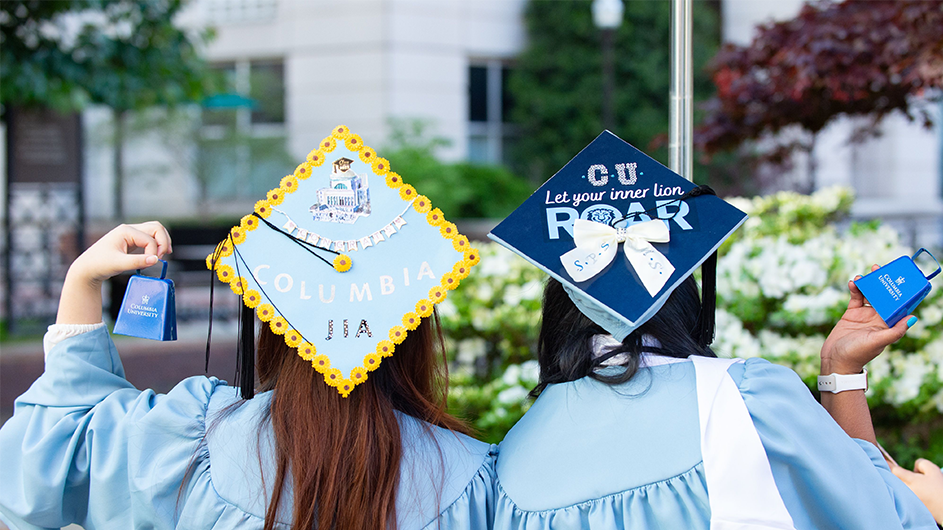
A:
(620, 231)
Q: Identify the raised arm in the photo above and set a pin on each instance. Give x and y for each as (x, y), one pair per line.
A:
(860, 336)
(80, 301)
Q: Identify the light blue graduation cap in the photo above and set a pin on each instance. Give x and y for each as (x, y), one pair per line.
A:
(343, 259)
(620, 231)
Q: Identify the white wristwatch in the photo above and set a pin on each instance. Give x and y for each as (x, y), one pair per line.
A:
(836, 383)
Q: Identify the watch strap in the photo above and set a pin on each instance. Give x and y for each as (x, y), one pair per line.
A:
(836, 383)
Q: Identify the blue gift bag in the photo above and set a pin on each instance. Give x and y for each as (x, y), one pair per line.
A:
(897, 288)
(148, 309)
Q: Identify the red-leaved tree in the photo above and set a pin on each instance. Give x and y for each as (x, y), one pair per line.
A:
(854, 58)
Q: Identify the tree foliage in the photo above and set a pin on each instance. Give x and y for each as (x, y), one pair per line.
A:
(126, 54)
(834, 59)
(557, 79)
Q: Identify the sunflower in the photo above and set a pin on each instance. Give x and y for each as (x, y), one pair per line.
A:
(472, 256)
(353, 142)
(316, 157)
(333, 377)
(252, 298)
(209, 260)
(367, 155)
(342, 263)
(278, 325)
(371, 362)
(275, 197)
(249, 223)
(435, 217)
(344, 386)
(393, 180)
(411, 321)
(397, 334)
(289, 184)
(422, 204)
(381, 166)
(424, 308)
(263, 208)
(358, 375)
(266, 312)
(437, 294)
(303, 171)
(238, 285)
(407, 192)
(307, 351)
(238, 235)
(449, 281)
(385, 348)
(293, 338)
(461, 270)
(321, 363)
(341, 132)
(448, 229)
(224, 273)
(460, 243)
(328, 144)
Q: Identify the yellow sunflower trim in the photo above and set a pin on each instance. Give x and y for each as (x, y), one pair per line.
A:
(316, 157)
(353, 142)
(411, 321)
(303, 171)
(460, 243)
(448, 230)
(367, 155)
(385, 348)
(266, 312)
(278, 325)
(358, 375)
(424, 308)
(449, 281)
(393, 180)
(238, 235)
(435, 217)
(371, 361)
(397, 334)
(344, 386)
(437, 294)
(472, 256)
(289, 184)
(381, 166)
(341, 132)
(275, 197)
(321, 363)
(252, 298)
(422, 204)
(263, 208)
(342, 263)
(333, 376)
(238, 285)
(407, 192)
(307, 351)
(293, 338)
(461, 270)
(328, 144)
(249, 223)
(224, 273)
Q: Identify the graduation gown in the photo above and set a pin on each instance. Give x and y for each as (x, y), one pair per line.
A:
(84, 446)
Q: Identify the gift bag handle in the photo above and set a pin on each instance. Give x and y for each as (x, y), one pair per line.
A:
(163, 269)
(914, 257)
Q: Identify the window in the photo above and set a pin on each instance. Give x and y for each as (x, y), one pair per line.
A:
(489, 108)
(243, 143)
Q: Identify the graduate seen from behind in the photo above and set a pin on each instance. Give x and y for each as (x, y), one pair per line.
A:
(345, 427)
(644, 426)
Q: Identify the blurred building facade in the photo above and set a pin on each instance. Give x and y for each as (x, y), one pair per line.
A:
(296, 68)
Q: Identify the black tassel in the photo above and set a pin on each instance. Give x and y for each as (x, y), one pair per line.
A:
(705, 320)
(245, 352)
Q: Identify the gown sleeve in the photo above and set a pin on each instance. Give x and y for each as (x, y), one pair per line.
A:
(818, 469)
(84, 446)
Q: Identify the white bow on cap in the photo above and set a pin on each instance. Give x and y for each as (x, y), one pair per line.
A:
(597, 245)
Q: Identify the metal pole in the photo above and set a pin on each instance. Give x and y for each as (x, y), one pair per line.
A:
(681, 122)
(608, 112)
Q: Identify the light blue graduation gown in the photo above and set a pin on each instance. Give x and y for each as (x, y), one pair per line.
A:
(84, 446)
(588, 455)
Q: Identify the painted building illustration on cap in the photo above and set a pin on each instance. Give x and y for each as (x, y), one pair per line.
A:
(346, 199)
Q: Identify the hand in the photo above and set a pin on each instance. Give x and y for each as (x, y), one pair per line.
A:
(80, 301)
(926, 481)
(860, 336)
(112, 254)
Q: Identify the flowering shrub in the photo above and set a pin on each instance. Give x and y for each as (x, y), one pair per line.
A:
(781, 283)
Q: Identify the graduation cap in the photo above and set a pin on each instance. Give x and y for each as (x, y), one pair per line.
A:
(620, 231)
(343, 259)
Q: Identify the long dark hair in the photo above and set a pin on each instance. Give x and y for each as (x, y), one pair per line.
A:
(565, 343)
(342, 455)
